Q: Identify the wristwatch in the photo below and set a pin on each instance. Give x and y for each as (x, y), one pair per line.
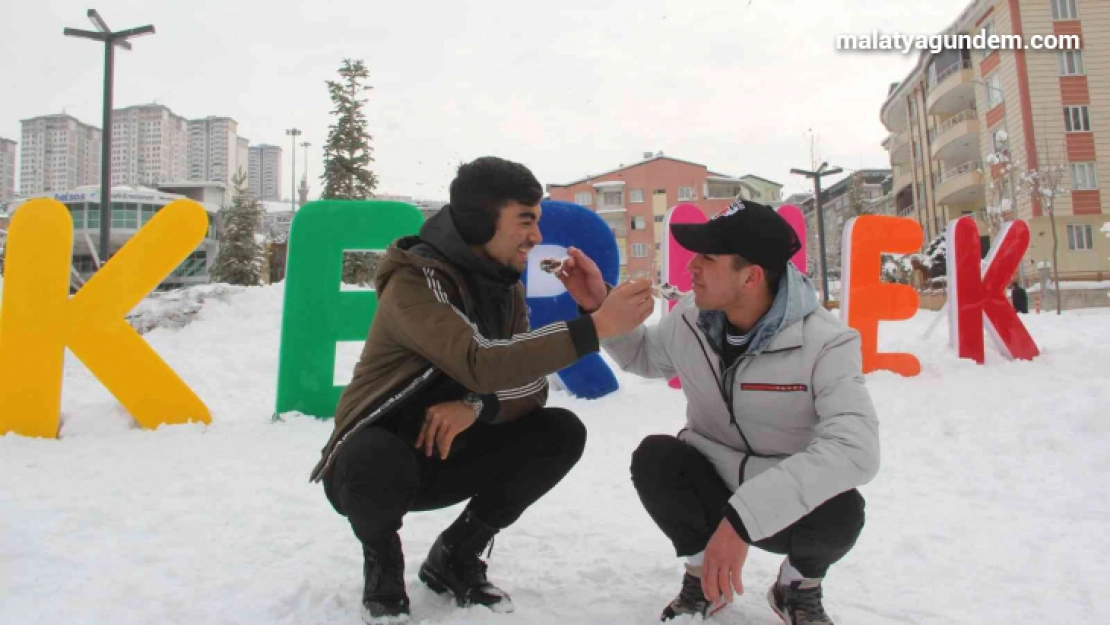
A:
(474, 400)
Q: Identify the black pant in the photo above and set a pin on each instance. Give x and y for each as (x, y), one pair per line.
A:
(379, 476)
(686, 498)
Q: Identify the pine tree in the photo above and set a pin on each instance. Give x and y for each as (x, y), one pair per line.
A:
(241, 260)
(347, 158)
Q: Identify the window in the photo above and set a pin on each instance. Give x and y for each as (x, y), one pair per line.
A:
(639, 223)
(583, 198)
(686, 193)
(148, 212)
(1064, 10)
(639, 250)
(1077, 119)
(612, 198)
(636, 196)
(994, 90)
(1079, 237)
(988, 31)
(1071, 62)
(659, 219)
(1083, 177)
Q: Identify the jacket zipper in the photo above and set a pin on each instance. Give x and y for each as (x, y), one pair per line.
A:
(725, 395)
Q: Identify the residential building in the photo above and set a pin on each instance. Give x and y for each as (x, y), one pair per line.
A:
(214, 149)
(861, 192)
(264, 172)
(768, 192)
(57, 152)
(149, 146)
(959, 109)
(7, 169)
(132, 208)
(634, 199)
(797, 199)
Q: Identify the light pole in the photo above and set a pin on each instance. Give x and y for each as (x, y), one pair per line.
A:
(110, 40)
(293, 132)
(816, 176)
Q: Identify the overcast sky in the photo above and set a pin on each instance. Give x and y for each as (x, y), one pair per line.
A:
(568, 88)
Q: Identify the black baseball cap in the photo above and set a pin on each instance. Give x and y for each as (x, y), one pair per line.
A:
(749, 229)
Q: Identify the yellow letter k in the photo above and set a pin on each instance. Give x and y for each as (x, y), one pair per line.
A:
(39, 319)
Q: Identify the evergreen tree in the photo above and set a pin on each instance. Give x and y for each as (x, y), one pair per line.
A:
(347, 158)
(241, 260)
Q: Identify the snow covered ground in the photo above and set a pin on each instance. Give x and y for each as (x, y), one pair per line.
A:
(990, 506)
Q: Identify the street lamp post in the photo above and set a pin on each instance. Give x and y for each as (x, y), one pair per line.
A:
(293, 132)
(816, 176)
(110, 40)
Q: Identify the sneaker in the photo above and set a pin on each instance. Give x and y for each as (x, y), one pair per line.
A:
(799, 603)
(453, 565)
(690, 600)
(384, 600)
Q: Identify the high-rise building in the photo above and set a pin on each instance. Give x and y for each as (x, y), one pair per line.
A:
(960, 113)
(57, 152)
(265, 172)
(214, 149)
(149, 146)
(7, 169)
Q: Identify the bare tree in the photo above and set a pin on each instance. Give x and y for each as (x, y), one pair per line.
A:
(1045, 185)
(1000, 189)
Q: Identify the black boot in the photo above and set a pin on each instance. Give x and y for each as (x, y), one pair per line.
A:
(453, 565)
(384, 601)
(690, 599)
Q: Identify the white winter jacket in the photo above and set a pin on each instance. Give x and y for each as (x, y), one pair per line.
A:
(802, 427)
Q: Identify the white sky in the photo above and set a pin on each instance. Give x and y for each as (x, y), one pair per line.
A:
(568, 88)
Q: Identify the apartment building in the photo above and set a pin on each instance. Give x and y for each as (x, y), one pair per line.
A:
(958, 110)
(57, 152)
(264, 172)
(7, 169)
(766, 191)
(634, 199)
(214, 150)
(149, 146)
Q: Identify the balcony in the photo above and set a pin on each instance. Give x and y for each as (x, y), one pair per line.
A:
(956, 140)
(952, 90)
(961, 185)
(898, 144)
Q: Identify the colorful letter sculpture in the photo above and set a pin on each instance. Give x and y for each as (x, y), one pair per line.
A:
(39, 319)
(793, 216)
(569, 225)
(675, 257)
(975, 293)
(317, 314)
(865, 300)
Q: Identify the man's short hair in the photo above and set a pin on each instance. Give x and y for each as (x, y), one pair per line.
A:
(774, 276)
(484, 186)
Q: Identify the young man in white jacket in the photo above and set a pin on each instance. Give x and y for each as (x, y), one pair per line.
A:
(780, 428)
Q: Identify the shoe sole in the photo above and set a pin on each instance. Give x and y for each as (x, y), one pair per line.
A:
(401, 619)
(771, 601)
(433, 581)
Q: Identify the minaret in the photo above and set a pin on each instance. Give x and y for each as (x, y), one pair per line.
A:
(303, 191)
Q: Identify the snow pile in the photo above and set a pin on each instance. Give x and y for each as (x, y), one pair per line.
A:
(986, 508)
(176, 309)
